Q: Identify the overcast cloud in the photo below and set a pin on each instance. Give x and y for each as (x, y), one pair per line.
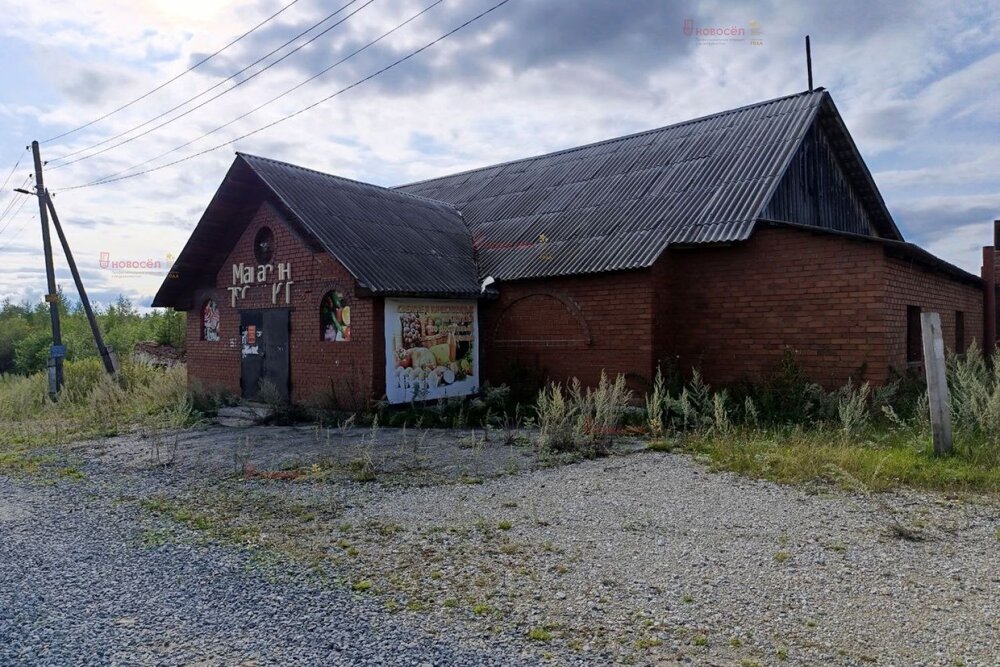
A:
(916, 83)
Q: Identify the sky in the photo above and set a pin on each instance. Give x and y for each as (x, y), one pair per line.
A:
(916, 82)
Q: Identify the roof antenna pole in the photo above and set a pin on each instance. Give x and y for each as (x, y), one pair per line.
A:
(809, 63)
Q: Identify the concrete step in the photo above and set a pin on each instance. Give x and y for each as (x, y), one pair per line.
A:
(241, 416)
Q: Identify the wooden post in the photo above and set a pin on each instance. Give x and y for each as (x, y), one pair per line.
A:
(57, 352)
(937, 381)
(109, 362)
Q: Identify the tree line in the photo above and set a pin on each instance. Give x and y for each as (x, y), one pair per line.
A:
(26, 333)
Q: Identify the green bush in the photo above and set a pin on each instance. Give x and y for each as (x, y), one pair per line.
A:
(25, 332)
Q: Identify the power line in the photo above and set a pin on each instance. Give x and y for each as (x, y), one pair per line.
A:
(208, 90)
(304, 109)
(171, 80)
(7, 180)
(273, 99)
(13, 169)
(13, 200)
(19, 229)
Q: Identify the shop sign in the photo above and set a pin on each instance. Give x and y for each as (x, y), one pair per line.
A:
(277, 278)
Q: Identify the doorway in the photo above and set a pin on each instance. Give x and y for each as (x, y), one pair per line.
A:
(264, 352)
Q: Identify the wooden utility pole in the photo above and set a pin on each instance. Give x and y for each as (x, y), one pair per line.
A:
(110, 363)
(937, 381)
(57, 352)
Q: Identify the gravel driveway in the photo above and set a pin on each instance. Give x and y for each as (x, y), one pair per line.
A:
(78, 587)
(475, 551)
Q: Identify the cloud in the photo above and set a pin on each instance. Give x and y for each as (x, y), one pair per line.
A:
(89, 85)
(917, 90)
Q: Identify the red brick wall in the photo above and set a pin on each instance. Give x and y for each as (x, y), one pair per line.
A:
(734, 311)
(838, 303)
(909, 284)
(571, 327)
(317, 366)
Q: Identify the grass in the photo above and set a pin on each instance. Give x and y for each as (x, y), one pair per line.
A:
(789, 430)
(881, 462)
(91, 405)
(539, 635)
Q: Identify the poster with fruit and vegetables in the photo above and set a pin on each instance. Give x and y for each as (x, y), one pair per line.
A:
(335, 317)
(431, 349)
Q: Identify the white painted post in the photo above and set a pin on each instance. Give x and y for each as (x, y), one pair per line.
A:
(937, 381)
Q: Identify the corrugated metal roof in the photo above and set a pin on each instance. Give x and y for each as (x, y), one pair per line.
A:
(609, 206)
(616, 204)
(391, 242)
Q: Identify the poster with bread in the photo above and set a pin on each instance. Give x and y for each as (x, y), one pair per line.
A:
(431, 349)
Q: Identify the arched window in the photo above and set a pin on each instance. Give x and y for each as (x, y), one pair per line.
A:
(210, 321)
(334, 317)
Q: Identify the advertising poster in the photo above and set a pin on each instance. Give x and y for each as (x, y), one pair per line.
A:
(432, 349)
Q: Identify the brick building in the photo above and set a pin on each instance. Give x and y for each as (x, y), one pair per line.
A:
(719, 242)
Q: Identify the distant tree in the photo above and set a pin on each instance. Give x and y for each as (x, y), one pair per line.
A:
(26, 337)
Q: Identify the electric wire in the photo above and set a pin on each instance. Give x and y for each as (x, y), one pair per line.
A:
(175, 78)
(273, 99)
(239, 83)
(19, 229)
(13, 169)
(303, 109)
(13, 200)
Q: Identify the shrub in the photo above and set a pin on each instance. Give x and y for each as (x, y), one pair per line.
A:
(852, 409)
(581, 421)
(787, 396)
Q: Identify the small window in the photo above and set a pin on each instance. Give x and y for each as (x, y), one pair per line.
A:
(210, 321)
(263, 245)
(334, 317)
(914, 345)
(959, 332)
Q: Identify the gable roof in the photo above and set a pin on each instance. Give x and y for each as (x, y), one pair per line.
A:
(617, 204)
(608, 206)
(391, 242)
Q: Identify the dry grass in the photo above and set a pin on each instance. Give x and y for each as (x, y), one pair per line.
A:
(581, 421)
(91, 405)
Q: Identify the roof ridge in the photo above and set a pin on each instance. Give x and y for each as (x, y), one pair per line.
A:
(349, 180)
(819, 90)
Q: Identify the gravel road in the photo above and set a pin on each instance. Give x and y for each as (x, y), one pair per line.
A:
(78, 587)
(477, 552)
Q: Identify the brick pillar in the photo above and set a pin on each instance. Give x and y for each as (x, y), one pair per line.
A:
(991, 288)
(989, 299)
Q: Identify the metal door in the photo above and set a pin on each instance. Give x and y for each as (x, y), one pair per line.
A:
(264, 351)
